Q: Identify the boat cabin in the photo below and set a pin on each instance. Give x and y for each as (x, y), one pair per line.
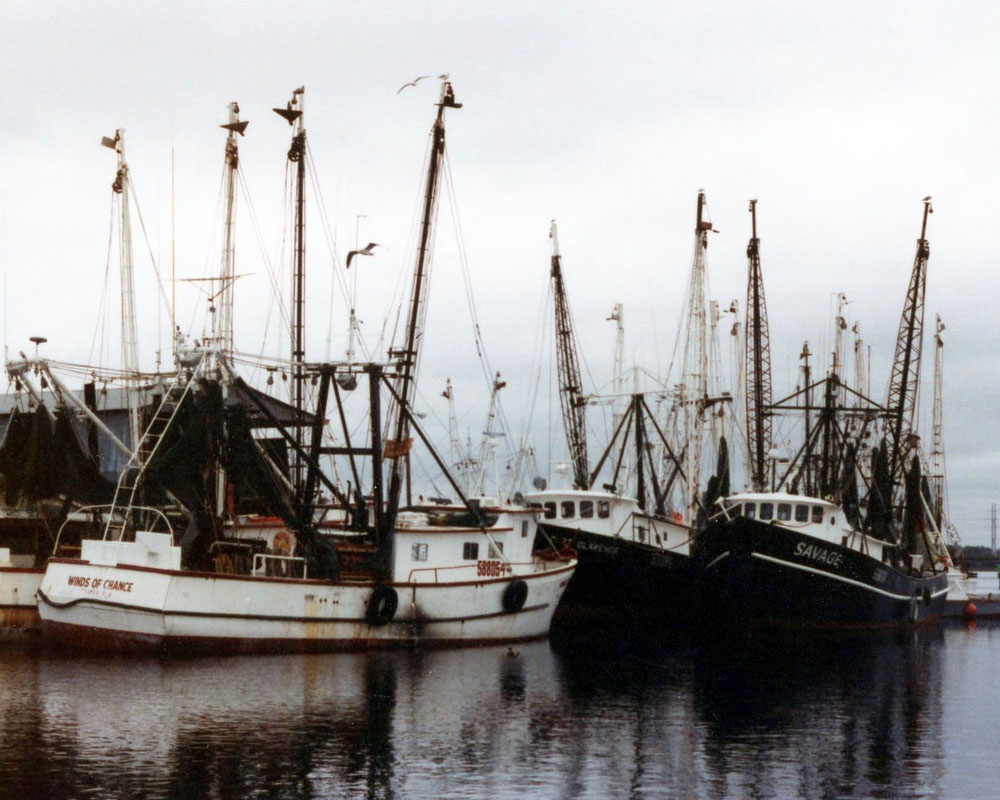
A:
(811, 516)
(428, 548)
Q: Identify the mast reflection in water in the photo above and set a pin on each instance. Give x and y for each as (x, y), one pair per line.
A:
(780, 717)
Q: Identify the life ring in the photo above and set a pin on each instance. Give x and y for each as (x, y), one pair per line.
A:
(514, 596)
(282, 544)
(382, 605)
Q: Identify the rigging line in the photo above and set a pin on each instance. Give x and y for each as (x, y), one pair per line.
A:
(542, 326)
(398, 295)
(331, 240)
(99, 329)
(259, 236)
(287, 213)
(470, 297)
(149, 246)
(336, 275)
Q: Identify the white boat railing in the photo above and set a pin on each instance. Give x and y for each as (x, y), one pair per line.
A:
(260, 561)
(107, 511)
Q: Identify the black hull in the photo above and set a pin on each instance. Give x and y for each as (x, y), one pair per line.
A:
(758, 573)
(618, 580)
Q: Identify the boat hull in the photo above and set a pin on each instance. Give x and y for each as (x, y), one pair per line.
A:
(142, 610)
(621, 579)
(18, 608)
(758, 573)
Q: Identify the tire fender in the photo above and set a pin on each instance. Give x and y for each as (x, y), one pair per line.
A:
(514, 596)
(382, 605)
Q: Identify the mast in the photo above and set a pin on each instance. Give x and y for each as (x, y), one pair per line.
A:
(807, 391)
(293, 113)
(618, 357)
(904, 382)
(574, 404)
(487, 450)
(694, 388)
(223, 334)
(758, 364)
(839, 326)
(407, 358)
(130, 349)
(937, 476)
(860, 368)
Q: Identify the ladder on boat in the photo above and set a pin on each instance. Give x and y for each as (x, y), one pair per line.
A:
(130, 478)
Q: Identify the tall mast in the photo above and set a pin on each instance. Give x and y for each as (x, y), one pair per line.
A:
(937, 476)
(293, 113)
(224, 320)
(457, 461)
(574, 405)
(618, 356)
(487, 450)
(904, 382)
(860, 363)
(758, 363)
(694, 387)
(408, 357)
(839, 326)
(130, 349)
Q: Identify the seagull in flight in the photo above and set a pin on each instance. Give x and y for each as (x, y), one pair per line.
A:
(367, 250)
(415, 81)
(412, 83)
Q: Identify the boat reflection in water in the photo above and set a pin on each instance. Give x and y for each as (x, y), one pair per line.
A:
(823, 718)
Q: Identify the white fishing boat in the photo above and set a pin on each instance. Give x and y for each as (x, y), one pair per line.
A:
(374, 574)
(59, 445)
(450, 585)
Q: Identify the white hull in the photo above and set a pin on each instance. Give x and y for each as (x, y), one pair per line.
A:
(143, 609)
(18, 609)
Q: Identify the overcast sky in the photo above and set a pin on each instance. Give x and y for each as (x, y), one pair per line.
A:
(838, 117)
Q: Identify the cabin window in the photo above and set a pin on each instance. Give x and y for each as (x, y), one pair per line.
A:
(801, 513)
(524, 529)
(750, 510)
(784, 511)
(568, 509)
(603, 509)
(418, 551)
(767, 511)
(470, 551)
(735, 509)
(642, 534)
(496, 551)
(817, 513)
(550, 510)
(586, 509)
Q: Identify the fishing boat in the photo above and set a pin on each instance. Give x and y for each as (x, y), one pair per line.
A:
(827, 538)
(377, 572)
(633, 517)
(62, 448)
(783, 559)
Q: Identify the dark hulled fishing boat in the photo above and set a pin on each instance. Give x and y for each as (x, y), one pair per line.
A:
(631, 519)
(781, 559)
(828, 540)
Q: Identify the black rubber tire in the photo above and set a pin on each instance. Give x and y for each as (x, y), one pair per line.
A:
(382, 605)
(514, 596)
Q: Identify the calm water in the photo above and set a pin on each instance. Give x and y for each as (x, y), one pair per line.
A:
(915, 714)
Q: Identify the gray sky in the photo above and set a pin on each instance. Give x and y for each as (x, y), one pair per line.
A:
(609, 117)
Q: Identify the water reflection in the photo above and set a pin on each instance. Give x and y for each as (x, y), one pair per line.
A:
(627, 715)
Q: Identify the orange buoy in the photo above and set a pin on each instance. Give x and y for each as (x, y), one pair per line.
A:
(970, 610)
